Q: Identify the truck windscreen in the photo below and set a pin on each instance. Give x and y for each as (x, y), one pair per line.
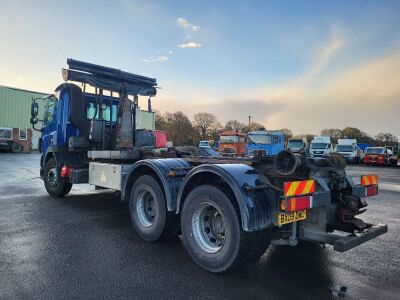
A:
(374, 150)
(319, 145)
(229, 139)
(295, 145)
(344, 148)
(259, 139)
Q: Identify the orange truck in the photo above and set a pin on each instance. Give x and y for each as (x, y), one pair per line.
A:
(232, 143)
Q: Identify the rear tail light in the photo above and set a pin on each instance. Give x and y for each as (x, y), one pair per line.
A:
(65, 171)
(371, 190)
(296, 203)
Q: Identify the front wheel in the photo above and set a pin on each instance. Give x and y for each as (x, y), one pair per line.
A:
(54, 184)
(212, 232)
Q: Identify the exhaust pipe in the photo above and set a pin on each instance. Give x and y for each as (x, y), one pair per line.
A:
(286, 162)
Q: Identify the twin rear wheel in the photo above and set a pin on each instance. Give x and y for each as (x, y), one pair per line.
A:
(210, 224)
(150, 217)
(212, 232)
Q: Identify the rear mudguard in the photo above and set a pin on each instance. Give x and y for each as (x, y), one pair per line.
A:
(169, 172)
(258, 204)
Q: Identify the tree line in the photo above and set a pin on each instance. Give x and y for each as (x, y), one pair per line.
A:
(205, 126)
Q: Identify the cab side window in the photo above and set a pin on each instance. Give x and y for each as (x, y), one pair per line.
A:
(49, 111)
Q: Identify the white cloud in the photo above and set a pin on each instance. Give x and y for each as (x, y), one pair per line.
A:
(187, 25)
(182, 23)
(155, 59)
(327, 53)
(170, 52)
(188, 36)
(190, 45)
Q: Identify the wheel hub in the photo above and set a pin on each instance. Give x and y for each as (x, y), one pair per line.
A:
(146, 209)
(208, 227)
(52, 176)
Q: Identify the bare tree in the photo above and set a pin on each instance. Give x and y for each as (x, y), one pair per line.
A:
(333, 133)
(205, 122)
(234, 125)
(180, 129)
(160, 121)
(253, 127)
(355, 133)
(386, 139)
(287, 133)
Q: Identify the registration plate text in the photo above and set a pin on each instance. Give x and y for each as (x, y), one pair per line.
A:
(285, 218)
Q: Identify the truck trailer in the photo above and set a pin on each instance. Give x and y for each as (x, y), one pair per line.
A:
(228, 211)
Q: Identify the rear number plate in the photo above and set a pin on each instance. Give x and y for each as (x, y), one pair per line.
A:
(292, 217)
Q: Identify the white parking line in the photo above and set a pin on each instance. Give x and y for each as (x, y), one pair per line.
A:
(389, 187)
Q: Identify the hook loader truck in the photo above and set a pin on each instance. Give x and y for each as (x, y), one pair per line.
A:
(228, 211)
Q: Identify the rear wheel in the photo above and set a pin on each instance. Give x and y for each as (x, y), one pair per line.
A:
(212, 232)
(54, 184)
(148, 210)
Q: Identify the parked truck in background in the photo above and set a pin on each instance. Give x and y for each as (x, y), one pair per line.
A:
(298, 145)
(321, 146)
(228, 210)
(232, 143)
(350, 150)
(380, 156)
(268, 141)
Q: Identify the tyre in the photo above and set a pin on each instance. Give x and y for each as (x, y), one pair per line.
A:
(212, 232)
(54, 184)
(148, 209)
(16, 148)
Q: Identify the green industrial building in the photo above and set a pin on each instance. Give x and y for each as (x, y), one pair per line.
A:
(15, 106)
(15, 110)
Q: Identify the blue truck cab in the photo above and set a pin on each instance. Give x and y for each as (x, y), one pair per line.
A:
(68, 113)
(271, 141)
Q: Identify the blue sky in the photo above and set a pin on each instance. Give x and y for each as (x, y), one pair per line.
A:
(305, 65)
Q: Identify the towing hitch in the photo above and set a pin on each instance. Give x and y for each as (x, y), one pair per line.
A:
(343, 243)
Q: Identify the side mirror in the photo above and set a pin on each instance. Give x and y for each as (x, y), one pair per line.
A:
(34, 110)
(33, 120)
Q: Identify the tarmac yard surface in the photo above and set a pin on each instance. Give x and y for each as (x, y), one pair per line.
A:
(82, 246)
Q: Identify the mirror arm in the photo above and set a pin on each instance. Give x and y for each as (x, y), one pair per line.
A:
(40, 130)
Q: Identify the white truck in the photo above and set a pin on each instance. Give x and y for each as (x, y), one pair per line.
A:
(350, 151)
(321, 146)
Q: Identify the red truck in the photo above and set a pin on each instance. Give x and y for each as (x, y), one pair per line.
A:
(377, 156)
(232, 143)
